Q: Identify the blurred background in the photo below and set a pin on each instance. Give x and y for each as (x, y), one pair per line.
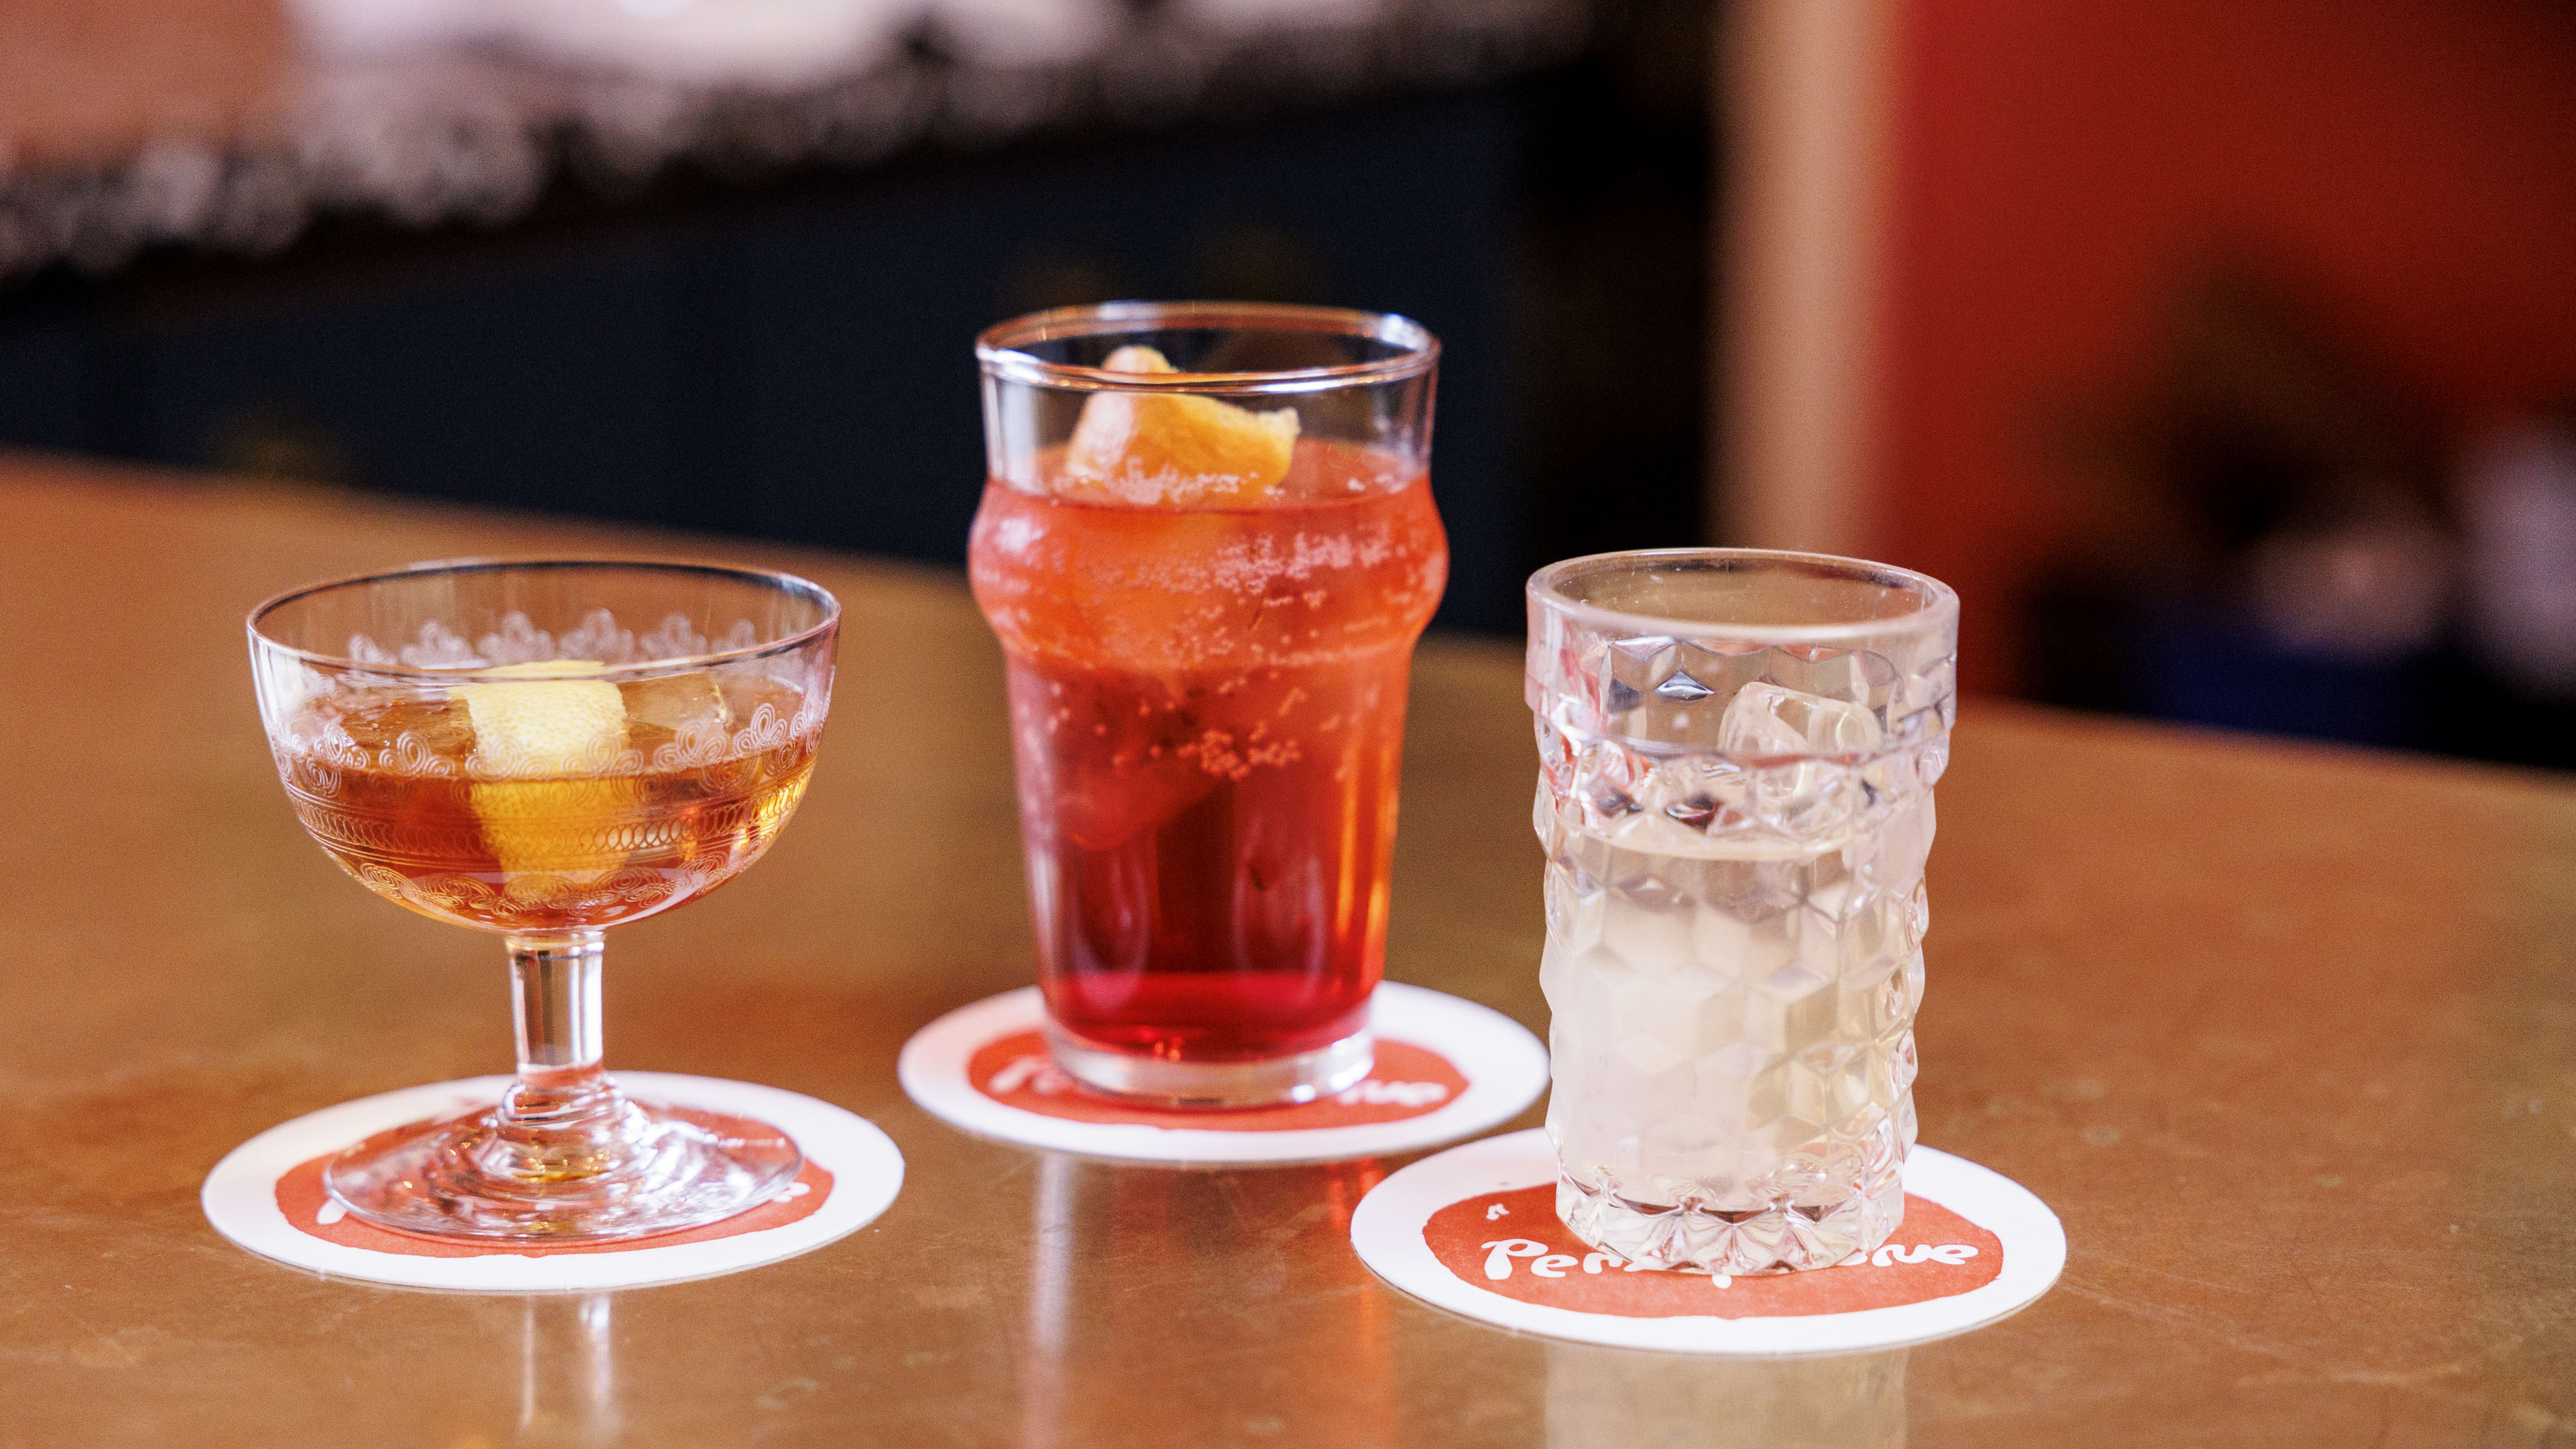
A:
(2222, 352)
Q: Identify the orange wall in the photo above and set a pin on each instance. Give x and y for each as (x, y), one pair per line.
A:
(2059, 164)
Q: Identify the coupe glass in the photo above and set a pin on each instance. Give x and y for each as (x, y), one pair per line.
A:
(544, 750)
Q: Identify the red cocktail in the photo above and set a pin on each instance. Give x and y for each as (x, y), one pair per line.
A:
(1209, 612)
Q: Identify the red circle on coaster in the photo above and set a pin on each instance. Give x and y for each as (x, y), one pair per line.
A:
(1407, 1082)
(305, 1203)
(1513, 1244)
(1473, 1230)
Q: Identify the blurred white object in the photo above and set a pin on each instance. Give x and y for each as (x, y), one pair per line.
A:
(765, 43)
(743, 42)
(2518, 501)
(377, 27)
(1025, 32)
(1236, 16)
(2372, 591)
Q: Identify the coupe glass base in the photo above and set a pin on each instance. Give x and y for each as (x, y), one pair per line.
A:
(629, 1170)
(1278, 1081)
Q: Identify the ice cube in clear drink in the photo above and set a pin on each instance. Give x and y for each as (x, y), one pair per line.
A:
(1767, 720)
(1797, 745)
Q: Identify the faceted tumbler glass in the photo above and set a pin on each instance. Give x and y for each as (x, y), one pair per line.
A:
(543, 750)
(1737, 750)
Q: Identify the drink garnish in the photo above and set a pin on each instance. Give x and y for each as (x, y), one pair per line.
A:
(1174, 448)
(550, 725)
(540, 825)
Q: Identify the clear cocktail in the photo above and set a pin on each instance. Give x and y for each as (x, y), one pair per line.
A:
(1737, 751)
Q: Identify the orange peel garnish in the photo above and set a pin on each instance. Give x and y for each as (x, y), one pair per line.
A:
(1174, 448)
(549, 833)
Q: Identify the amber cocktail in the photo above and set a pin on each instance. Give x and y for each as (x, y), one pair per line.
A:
(1208, 545)
(544, 750)
(406, 794)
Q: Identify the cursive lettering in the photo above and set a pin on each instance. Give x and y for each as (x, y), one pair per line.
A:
(1951, 1253)
(1499, 1255)
(1544, 1264)
(1393, 1094)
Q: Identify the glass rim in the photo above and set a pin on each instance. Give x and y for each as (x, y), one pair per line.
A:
(1939, 603)
(998, 348)
(777, 578)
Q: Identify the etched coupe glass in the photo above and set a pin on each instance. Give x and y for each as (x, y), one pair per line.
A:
(1736, 758)
(543, 750)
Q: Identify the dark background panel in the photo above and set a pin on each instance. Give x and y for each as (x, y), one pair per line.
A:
(789, 356)
(1405, 211)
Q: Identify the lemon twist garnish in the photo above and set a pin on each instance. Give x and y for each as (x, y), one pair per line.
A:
(1173, 447)
(549, 834)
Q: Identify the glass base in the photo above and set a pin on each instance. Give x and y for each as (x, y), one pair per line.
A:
(612, 1168)
(1778, 1238)
(1273, 1082)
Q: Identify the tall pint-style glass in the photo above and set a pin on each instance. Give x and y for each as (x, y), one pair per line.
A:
(1207, 544)
(1737, 751)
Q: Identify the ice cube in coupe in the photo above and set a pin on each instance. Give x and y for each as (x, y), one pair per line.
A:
(1207, 544)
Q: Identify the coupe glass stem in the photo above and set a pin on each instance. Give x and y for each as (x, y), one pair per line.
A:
(565, 1155)
(556, 1118)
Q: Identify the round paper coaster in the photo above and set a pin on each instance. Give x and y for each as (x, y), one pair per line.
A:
(1446, 1069)
(1474, 1230)
(267, 1195)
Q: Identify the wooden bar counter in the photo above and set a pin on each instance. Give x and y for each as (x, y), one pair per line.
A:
(2286, 1035)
